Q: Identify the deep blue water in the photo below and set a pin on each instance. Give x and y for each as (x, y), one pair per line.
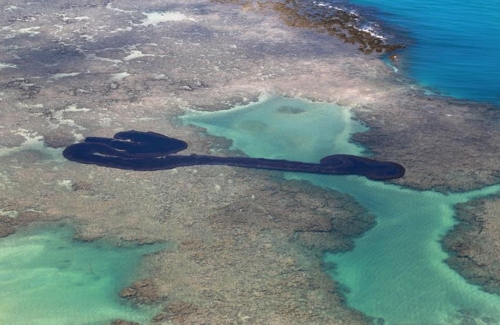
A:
(453, 45)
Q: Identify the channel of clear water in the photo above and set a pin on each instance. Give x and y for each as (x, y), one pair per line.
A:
(48, 278)
(396, 271)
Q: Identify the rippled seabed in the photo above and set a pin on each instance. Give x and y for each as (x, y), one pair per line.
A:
(49, 278)
(396, 272)
(454, 46)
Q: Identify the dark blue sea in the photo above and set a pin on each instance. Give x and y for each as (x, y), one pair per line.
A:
(453, 46)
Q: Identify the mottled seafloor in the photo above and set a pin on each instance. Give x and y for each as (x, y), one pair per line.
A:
(70, 69)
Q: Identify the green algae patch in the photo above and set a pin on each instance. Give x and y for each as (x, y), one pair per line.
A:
(47, 277)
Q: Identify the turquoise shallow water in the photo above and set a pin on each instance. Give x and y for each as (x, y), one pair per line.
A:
(396, 272)
(453, 46)
(47, 278)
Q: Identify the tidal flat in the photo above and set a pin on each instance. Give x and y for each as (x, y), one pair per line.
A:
(248, 245)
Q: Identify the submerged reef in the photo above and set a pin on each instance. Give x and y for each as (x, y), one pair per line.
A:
(143, 291)
(335, 21)
(474, 245)
(135, 150)
(81, 68)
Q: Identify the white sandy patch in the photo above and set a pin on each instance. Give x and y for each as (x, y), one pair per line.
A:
(57, 76)
(159, 76)
(135, 54)
(58, 116)
(73, 108)
(118, 76)
(66, 183)
(156, 17)
(127, 29)
(88, 38)
(9, 213)
(7, 65)
(108, 6)
(93, 57)
(32, 31)
(66, 18)
(144, 119)
(29, 30)
(24, 105)
(78, 136)
(34, 142)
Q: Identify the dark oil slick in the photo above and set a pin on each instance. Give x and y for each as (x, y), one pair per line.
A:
(142, 151)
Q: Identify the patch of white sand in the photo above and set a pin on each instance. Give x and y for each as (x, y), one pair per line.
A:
(156, 17)
(65, 183)
(135, 54)
(58, 116)
(34, 142)
(93, 57)
(32, 31)
(7, 65)
(57, 76)
(9, 213)
(118, 76)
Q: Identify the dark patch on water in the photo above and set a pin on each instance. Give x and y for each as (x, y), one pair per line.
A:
(290, 110)
(135, 150)
(255, 126)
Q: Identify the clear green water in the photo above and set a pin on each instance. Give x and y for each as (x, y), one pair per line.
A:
(47, 278)
(396, 272)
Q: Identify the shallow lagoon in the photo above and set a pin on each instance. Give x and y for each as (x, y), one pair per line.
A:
(396, 272)
(49, 278)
